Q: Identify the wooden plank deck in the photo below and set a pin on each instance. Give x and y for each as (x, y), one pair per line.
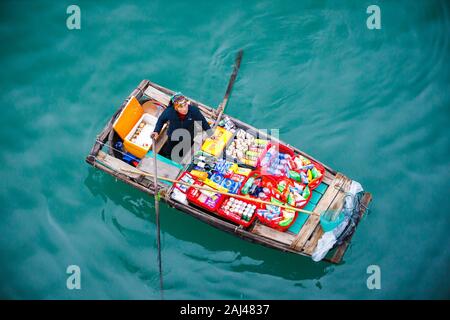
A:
(158, 95)
(268, 232)
(336, 204)
(116, 165)
(308, 236)
(311, 223)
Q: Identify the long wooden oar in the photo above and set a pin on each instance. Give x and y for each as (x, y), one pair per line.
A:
(158, 229)
(221, 108)
(207, 188)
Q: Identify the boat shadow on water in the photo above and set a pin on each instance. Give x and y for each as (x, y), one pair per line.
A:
(217, 247)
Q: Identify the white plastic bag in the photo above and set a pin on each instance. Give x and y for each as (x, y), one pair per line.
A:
(328, 239)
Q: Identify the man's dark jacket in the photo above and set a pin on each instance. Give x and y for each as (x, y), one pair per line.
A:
(171, 115)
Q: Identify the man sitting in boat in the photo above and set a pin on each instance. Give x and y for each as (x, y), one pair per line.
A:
(181, 114)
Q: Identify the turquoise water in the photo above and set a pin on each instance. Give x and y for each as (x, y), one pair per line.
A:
(373, 104)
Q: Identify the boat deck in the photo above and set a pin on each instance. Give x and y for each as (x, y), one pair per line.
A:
(301, 238)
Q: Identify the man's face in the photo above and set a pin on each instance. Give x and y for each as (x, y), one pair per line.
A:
(182, 106)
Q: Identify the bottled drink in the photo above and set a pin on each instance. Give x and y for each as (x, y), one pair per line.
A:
(266, 160)
(304, 177)
(268, 156)
(247, 185)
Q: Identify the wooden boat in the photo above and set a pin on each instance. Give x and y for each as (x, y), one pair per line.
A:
(303, 242)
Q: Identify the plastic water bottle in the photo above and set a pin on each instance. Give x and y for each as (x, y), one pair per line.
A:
(271, 153)
(266, 160)
(247, 185)
(304, 177)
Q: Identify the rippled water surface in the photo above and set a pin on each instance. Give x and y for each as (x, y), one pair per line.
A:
(373, 104)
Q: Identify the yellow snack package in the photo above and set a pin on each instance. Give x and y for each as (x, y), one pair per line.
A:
(215, 146)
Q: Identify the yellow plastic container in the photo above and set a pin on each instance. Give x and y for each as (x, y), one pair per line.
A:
(127, 119)
(128, 122)
(216, 146)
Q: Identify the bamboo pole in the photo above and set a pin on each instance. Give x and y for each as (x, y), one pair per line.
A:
(158, 228)
(222, 192)
(221, 108)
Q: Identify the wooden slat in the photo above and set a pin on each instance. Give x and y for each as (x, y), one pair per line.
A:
(305, 232)
(312, 221)
(340, 251)
(337, 204)
(312, 243)
(157, 95)
(273, 234)
(164, 169)
(328, 177)
(116, 164)
(331, 193)
(163, 95)
(162, 139)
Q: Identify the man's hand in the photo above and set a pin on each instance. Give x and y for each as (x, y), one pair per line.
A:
(154, 135)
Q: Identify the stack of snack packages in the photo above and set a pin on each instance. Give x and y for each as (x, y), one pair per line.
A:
(219, 174)
(222, 175)
(246, 148)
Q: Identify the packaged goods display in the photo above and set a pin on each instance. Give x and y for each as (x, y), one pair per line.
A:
(179, 191)
(279, 176)
(216, 145)
(281, 161)
(227, 124)
(206, 199)
(246, 148)
(239, 211)
(269, 188)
